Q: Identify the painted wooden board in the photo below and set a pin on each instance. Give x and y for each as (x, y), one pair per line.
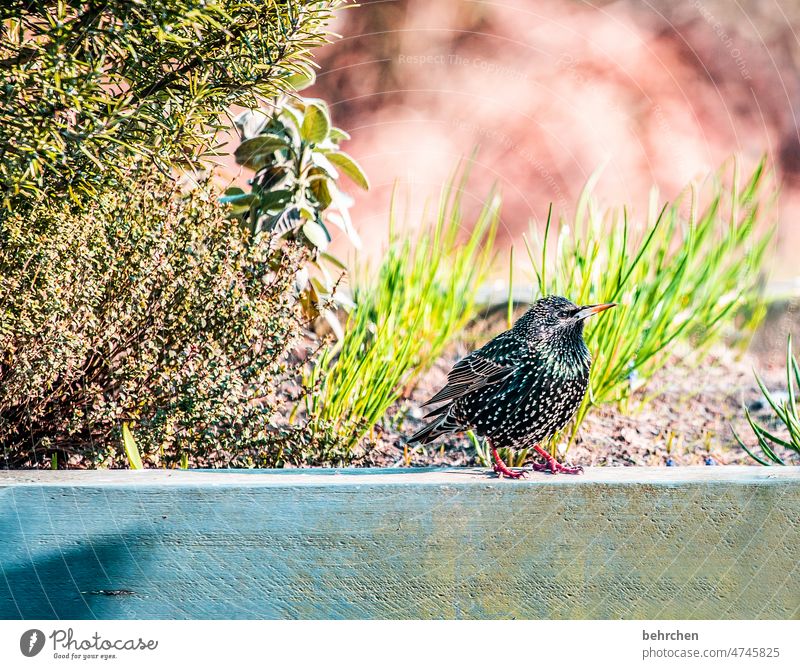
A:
(712, 542)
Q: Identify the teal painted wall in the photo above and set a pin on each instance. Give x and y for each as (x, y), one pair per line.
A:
(719, 542)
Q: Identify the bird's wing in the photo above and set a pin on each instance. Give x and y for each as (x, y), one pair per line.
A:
(477, 370)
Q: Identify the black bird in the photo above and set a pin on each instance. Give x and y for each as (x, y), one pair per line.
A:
(521, 387)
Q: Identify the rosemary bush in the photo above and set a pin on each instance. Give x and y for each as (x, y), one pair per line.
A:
(88, 84)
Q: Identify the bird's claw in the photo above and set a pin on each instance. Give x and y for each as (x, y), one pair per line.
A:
(564, 469)
(553, 466)
(509, 473)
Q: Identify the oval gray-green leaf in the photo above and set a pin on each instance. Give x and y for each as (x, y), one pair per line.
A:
(293, 116)
(319, 187)
(300, 80)
(343, 301)
(240, 202)
(319, 160)
(275, 199)
(322, 288)
(315, 233)
(253, 152)
(251, 122)
(350, 167)
(307, 212)
(316, 123)
(334, 323)
(231, 192)
(287, 220)
(337, 135)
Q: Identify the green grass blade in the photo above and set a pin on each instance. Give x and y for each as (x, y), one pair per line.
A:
(130, 447)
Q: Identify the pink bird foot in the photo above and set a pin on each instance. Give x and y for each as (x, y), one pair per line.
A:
(552, 465)
(502, 470)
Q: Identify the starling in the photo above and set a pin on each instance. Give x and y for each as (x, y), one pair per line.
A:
(521, 387)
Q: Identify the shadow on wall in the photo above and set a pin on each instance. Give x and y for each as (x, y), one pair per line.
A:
(73, 584)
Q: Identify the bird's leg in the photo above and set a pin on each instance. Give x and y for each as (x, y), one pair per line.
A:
(501, 468)
(552, 465)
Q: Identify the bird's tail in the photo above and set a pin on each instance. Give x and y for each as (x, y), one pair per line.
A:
(442, 425)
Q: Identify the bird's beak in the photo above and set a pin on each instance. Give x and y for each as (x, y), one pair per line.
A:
(593, 309)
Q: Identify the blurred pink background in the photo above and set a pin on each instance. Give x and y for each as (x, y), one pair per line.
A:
(661, 92)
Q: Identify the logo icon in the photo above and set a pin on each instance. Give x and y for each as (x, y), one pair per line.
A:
(31, 642)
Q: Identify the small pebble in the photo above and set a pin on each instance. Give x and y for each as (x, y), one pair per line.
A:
(671, 463)
(710, 461)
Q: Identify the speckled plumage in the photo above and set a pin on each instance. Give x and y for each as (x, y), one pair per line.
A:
(522, 386)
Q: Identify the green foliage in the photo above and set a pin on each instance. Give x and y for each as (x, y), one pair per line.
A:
(786, 412)
(296, 154)
(136, 323)
(88, 85)
(422, 294)
(681, 277)
(149, 309)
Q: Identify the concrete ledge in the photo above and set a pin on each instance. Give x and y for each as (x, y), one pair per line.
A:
(710, 542)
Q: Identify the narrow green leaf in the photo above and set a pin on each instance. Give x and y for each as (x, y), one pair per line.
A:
(768, 396)
(131, 449)
(762, 442)
(796, 368)
(334, 261)
(747, 449)
(510, 305)
(789, 382)
(766, 434)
